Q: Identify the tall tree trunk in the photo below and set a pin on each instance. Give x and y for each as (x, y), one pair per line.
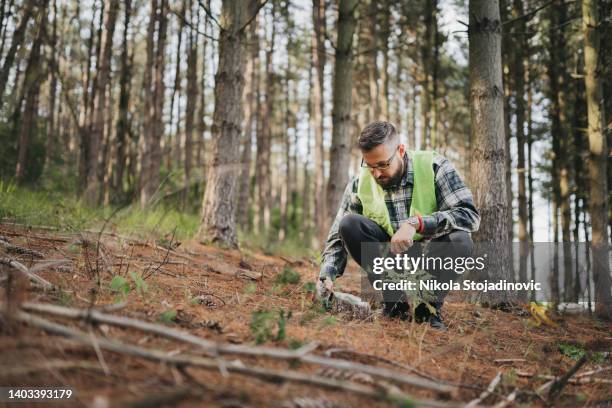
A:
(385, 33)
(31, 87)
(177, 148)
(53, 70)
(85, 103)
(426, 47)
(288, 127)
(218, 208)
(18, 37)
(519, 89)
(598, 149)
(318, 111)
(192, 97)
(96, 133)
(341, 113)
(125, 78)
(264, 139)
(488, 156)
(152, 155)
(435, 73)
(253, 69)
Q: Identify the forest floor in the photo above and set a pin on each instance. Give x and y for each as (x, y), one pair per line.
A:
(238, 299)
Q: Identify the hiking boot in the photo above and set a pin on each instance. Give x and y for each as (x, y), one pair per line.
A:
(422, 315)
(435, 321)
(396, 309)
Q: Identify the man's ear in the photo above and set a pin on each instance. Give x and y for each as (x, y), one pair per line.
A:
(402, 149)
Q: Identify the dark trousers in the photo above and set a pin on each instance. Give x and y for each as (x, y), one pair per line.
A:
(356, 229)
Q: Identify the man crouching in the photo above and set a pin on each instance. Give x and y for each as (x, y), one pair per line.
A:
(406, 199)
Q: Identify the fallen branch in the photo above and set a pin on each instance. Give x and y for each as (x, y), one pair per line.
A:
(508, 400)
(561, 382)
(26, 272)
(215, 349)
(48, 365)
(216, 363)
(492, 385)
(509, 360)
(16, 249)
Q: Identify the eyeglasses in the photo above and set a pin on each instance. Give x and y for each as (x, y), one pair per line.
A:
(382, 166)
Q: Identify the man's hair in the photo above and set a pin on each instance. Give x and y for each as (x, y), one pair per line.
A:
(375, 134)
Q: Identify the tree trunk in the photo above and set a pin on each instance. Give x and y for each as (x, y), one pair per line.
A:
(264, 139)
(18, 37)
(31, 88)
(318, 111)
(519, 88)
(96, 133)
(488, 156)
(341, 113)
(53, 69)
(154, 99)
(251, 121)
(218, 208)
(598, 151)
(192, 97)
(177, 149)
(125, 78)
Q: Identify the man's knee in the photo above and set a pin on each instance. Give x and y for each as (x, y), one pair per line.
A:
(461, 242)
(349, 224)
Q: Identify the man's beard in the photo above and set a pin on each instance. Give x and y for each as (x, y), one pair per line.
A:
(392, 180)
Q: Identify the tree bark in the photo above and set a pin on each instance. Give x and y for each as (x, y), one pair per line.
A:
(31, 87)
(192, 96)
(53, 69)
(341, 113)
(218, 208)
(92, 192)
(598, 150)
(122, 131)
(488, 156)
(154, 98)
(519, 89)
(318, 111)
(251, 125)
(264, 139)
(18, 37)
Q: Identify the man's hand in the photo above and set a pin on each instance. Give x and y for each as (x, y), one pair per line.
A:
(402, 239)
(324, 286)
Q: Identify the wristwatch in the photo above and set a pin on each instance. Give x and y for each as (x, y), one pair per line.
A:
(414, 221)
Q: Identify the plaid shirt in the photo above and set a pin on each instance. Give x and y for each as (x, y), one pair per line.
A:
(456, 210)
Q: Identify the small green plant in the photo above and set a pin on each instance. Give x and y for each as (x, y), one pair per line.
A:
(120, 286)
(168, 317)
(287, 276)
(263, 323)
(330, 321)
(250, 289)
(310, 287)
(64, 299)
(572, 351)
(140, 284)
(295, 344)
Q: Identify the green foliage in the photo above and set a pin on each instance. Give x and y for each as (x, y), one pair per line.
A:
(140, 284)
(330, 321)
(309, 287)
(287, 276)
(401, 402)
(572, 351)
(168, 317)
(120, 286)
(263, 323)
(250, 288)
(64, 299)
